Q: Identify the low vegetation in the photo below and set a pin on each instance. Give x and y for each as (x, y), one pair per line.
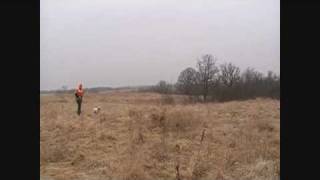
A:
(144, 136)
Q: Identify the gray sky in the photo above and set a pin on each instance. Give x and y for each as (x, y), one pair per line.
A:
(139, 42)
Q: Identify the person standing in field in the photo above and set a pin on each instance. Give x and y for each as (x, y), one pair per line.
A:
(79, 95)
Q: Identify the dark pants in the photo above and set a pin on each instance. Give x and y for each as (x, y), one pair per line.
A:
(79, 101)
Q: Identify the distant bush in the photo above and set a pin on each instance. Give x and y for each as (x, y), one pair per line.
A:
(164, 88)
(167, 99)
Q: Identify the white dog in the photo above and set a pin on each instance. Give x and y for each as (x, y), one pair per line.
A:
(96, 110)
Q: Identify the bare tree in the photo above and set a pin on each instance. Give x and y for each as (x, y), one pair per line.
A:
(252, 82)
(208, 71)
(271, 76)
(251, 76)
(272, 85)
(230, 74)
(187, 81)
(163, 87)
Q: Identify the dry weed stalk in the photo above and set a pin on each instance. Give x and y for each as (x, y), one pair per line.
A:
(202, 136)
(132, 169)
(178, 176)
(220, 175)
(163, 125)
(199, 168)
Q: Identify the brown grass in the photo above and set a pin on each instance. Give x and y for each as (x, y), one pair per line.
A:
(143, 136)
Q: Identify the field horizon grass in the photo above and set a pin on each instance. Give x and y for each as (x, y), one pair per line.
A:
(142, 136)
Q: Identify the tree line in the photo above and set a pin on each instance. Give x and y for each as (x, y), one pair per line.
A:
(210, 82)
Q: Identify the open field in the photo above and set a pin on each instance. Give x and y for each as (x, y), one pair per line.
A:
(138, 136)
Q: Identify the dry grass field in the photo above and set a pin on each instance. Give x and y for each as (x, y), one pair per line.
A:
(141, 136)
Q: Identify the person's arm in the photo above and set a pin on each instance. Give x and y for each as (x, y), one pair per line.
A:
(76, 93)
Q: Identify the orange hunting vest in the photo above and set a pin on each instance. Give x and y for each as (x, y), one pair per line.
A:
(79, 91)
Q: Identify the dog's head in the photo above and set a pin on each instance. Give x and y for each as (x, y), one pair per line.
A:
(96, 109)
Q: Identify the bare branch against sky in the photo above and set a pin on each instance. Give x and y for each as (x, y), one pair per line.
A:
(139, 42)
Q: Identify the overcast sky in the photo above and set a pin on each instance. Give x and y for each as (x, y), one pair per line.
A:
(139, 42)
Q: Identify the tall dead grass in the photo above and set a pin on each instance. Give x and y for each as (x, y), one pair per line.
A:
(235, 140)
